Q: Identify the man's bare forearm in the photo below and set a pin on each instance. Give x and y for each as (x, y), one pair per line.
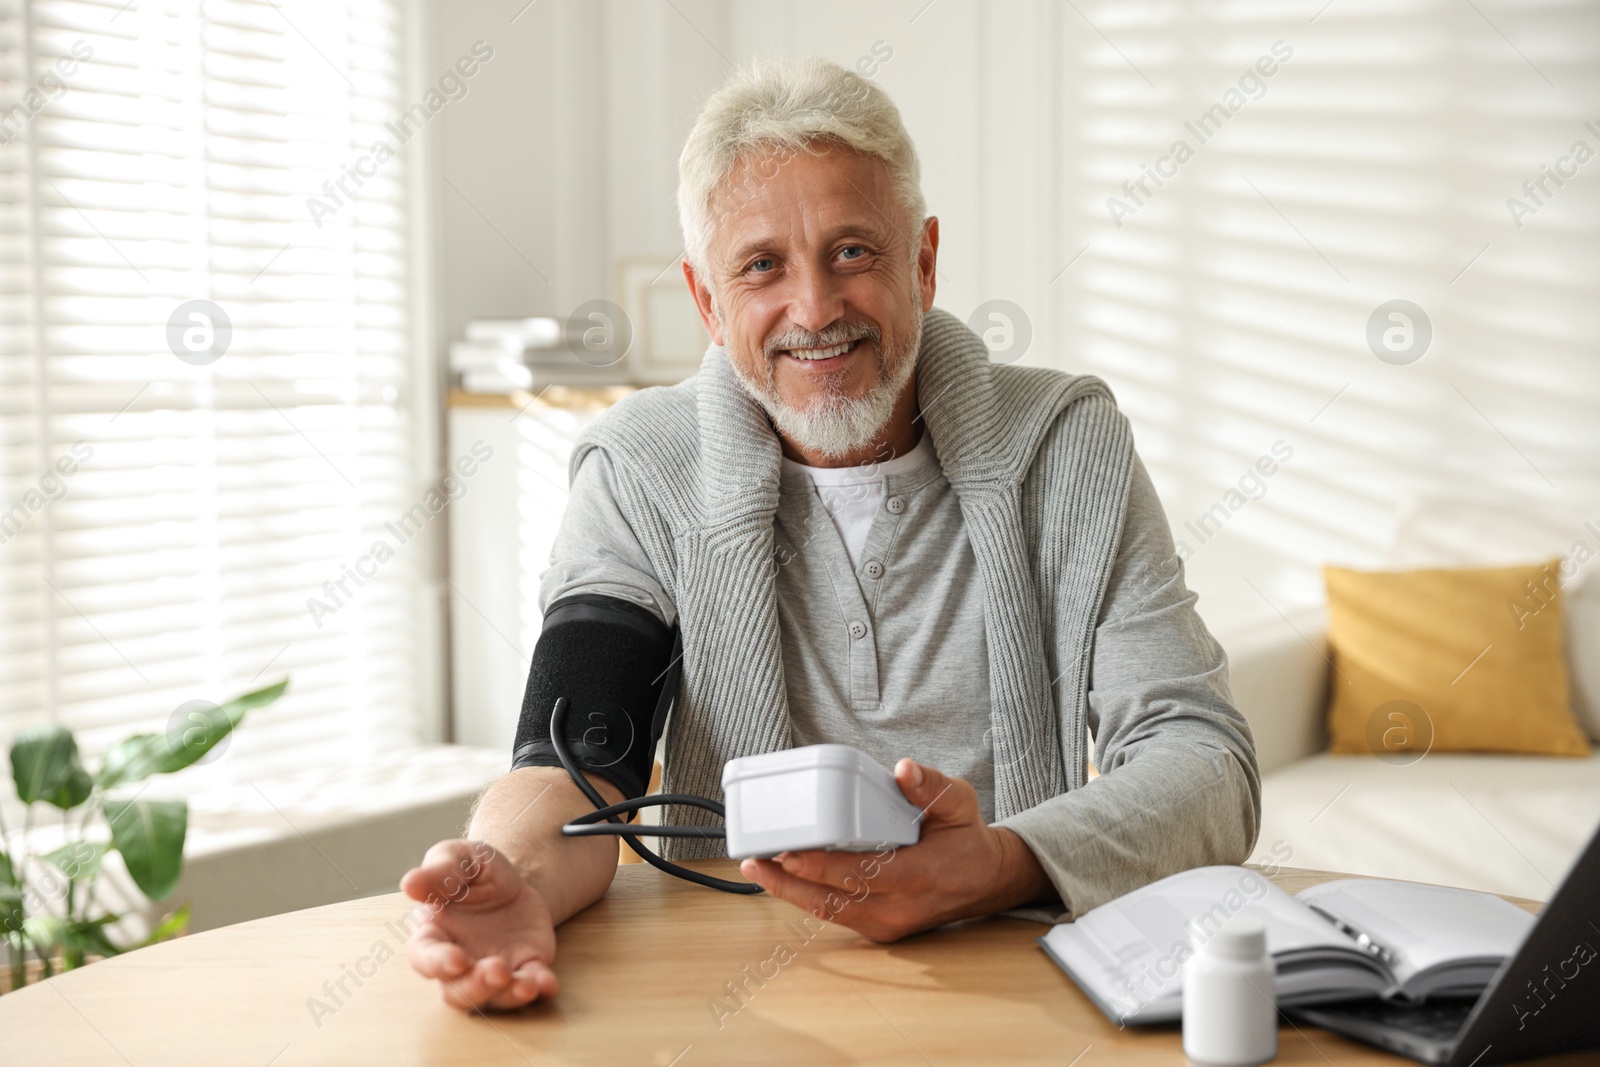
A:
(521, 816)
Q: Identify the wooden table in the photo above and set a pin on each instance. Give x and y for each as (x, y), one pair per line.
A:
(643, 974)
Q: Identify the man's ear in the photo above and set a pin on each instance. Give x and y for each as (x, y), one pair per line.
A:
(927, 257)
(702, 302)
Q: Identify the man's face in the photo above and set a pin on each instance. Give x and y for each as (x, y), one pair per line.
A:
(813, 289)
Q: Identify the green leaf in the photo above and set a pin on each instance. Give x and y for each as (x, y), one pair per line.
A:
(11, 917)
(49, 932)
(75, 789)
(10, 897)
(149, 834)
(79, 860)
(171, 926)
(142, 755)
(89, 935)
(132, 759)
(41, 761)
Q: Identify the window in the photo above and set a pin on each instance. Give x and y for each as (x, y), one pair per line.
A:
(1339, 157)
(208, 395)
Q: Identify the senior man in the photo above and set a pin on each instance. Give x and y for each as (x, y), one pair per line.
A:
(864, 532)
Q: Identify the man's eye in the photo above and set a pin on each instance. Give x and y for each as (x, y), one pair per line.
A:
(852, 252)
(762, 265)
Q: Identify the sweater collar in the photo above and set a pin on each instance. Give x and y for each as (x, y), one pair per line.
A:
(955, 390)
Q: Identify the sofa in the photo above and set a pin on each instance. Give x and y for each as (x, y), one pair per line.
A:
(1501, 823)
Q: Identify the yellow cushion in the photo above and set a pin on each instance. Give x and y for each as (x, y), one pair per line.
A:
(1449, 661)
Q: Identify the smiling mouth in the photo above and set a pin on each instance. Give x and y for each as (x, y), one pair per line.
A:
(823, 358)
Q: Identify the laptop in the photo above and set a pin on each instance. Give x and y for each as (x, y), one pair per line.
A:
(1545, 999)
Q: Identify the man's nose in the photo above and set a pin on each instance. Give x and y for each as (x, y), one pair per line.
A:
(816, 301)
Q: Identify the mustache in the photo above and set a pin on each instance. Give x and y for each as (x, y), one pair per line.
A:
(837, 333)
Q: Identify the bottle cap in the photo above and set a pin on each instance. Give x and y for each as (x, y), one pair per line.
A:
(1244, 937)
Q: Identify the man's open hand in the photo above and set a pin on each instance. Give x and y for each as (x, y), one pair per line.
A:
(489, 940)
(959, 869)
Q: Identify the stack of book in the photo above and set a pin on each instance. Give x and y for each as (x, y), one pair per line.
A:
(493, 358)
(507, 355)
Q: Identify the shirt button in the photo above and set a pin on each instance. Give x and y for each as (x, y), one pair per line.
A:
(858, 630)
(895, 504)
(874, 569)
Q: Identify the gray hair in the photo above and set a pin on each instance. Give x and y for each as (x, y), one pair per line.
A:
(785, 106)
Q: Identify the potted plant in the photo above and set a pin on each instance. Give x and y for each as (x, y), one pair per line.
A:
(47, 904)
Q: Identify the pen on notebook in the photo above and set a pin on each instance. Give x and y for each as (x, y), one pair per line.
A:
(1363, 941)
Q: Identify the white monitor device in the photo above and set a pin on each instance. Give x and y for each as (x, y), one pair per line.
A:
(820, 796)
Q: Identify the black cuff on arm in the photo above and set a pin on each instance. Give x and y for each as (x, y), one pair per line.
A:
(615, 663)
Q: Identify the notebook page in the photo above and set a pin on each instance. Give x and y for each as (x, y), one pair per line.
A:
(1424, 925)
(1130, 950)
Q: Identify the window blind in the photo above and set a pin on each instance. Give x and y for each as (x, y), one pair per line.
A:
(1337, 157)
(181, 483)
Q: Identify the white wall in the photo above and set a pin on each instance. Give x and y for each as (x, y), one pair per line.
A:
(1228, 313)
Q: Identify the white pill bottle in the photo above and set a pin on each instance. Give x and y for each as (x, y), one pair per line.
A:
(1230, 1009)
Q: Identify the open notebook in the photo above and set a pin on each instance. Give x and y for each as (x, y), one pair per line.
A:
(1351, 938)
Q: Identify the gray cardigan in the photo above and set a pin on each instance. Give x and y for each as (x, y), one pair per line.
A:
(1041, 462)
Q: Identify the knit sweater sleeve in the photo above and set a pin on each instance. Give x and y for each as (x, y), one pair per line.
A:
(1178, 784)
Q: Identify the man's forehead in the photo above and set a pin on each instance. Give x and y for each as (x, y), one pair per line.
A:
(772, 194)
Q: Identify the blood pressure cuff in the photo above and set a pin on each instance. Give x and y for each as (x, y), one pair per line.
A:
(618, 666)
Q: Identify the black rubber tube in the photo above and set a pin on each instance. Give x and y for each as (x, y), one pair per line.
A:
(630, 834)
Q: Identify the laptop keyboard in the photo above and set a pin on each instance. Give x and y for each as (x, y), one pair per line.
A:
(1439, 1020)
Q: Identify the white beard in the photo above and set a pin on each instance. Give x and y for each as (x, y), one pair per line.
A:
(833, 425)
